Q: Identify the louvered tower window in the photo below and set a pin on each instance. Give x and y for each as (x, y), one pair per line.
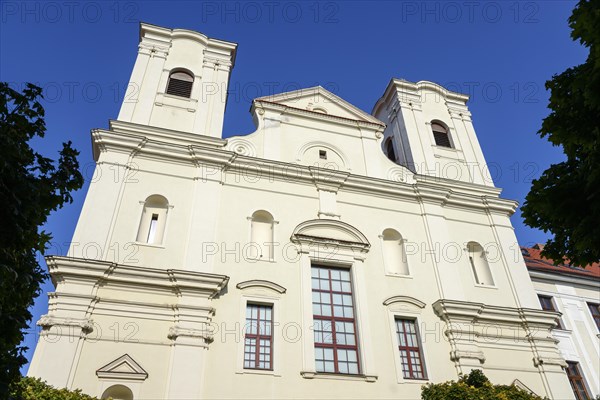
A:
(180, 84)
(441, 135)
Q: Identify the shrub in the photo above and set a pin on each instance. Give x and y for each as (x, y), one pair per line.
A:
(28, 388)
(475, 386)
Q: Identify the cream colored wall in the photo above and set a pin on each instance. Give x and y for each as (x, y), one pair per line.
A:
(579, 341)
(170, 294)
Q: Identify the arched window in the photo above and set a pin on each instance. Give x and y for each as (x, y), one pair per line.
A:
(479, 265)
(118, 392)
(389, 149)
(441, 135)
(261, 235)
(394, 256)
(154, 220)
(180, 84)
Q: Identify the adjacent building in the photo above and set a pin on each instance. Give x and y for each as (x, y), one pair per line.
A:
(574, 292)
(332, 253)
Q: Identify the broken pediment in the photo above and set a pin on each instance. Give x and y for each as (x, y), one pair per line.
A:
(123, 367)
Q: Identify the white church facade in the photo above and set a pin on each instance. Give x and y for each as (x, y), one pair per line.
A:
(332, 253)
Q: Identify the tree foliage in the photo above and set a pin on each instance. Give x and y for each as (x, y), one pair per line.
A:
(35, 389)
(31, 186)
(474, 386)
(565, 200)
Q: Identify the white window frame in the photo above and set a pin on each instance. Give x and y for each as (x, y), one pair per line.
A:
(258, 293)
(347, 259)
(404, 307)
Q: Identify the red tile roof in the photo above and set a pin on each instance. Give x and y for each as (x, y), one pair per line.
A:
(535, 262)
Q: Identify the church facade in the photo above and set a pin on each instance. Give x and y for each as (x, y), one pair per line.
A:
(332, 253)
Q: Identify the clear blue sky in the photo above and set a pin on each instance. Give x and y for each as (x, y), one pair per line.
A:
(501, 53)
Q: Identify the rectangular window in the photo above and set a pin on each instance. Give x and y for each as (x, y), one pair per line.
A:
(258, 341)
(409, 345)
(548, 305)
(336, 348)
(595, 310)
(576, 381)
(152, 230)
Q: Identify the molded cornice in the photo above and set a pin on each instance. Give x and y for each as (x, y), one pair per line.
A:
(96, 273)
(197, 150)
(262, 284)
(404, 299)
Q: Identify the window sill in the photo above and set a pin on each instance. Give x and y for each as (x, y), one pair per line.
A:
(340, 377)
(486, 286)
(417, 381)
(399, 275)
(253, 260)
(258, 372)
(156, 246)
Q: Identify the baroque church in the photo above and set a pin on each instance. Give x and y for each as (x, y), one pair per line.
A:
(331, 253)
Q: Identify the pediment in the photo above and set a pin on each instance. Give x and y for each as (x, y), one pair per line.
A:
(326, 230)
(320, 101)
(258, 284)
(123, 367)
(398, 303)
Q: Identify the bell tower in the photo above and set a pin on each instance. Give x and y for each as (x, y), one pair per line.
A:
(430, 131)
(179, 81)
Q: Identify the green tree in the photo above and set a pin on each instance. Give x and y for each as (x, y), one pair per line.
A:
(565, 200)
(474, 386)
(31, 186)
(35, 389)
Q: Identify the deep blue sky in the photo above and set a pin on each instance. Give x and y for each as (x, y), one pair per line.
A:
(500, 53)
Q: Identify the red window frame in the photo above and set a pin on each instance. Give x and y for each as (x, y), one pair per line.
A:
(409, 349)
(547, 303)
(258, 338)
(336, 336)
(595, 310)
(576, 380)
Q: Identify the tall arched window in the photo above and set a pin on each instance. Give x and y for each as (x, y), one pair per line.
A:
(180, 84)
(261, 235)
(118, 392)
(154, 220)
(441, 135)
(394, 255)
(479, 265)
(389, 149)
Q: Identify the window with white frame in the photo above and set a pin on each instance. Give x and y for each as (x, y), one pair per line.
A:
(335, 333)
(547, 304)
(441, 134)
(409, 347)
(180, 84)
(576, 380)
(258, 338)
(153, 221)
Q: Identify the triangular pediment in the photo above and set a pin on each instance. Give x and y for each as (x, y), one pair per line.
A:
(123, 367)
(318, 100)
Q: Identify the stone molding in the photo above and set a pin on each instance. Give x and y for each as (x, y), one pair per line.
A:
(262, 284)
(113, 370)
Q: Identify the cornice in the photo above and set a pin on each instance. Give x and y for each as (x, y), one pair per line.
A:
(479, 313)
(197, 150)
(404, 299)
(591, 282)
(262, 284)
(196, 284)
